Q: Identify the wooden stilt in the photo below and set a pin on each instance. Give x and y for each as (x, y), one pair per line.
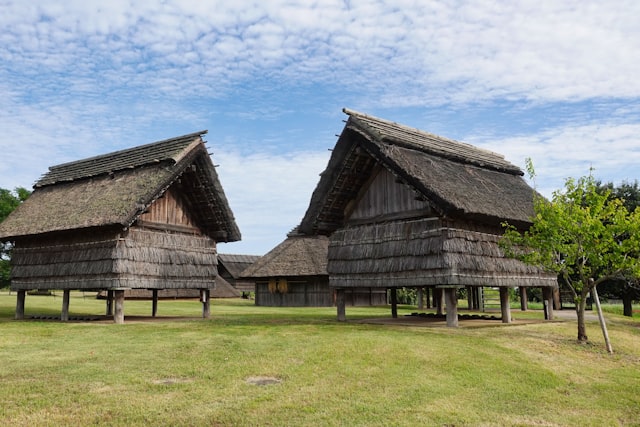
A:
(20, 305)
(205, 297)
(119, 306)
(505, 306)
(394, 303)
(154, 302)
(340, 305)
(109, 309)
(470, 298)
(547, 297)
(452, 307)
(65, 305)
(420, 295)
(438, 300)
(428, 293)
(524, 304)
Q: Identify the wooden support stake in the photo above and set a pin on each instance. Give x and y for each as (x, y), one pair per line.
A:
(119, 306)
(65, 305)
(340, 305)
(470, 298)
(154, 302)
(394, 303)
(420, 295)
(438, 301)
(505, 306)
(452, 307)
(603, 325)
(20, 305)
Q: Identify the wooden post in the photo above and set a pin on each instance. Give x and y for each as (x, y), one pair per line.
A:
(452, 307)
(428, 293)
(154, 302)
(603, 325)
(340, 304)
(470, 298)
(420, 294)
(20, 305)
(109, 310)
(206, 303)
(547, 299)
(119, 306)
(524, 304)
(65, 305)
(438, 300)
(394, 303)
(505, 306)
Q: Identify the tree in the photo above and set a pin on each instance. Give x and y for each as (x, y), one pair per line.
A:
(8, 202)
(585, 236)
(625, 288)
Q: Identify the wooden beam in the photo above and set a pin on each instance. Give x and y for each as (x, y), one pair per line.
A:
(452, 307)
(547, 299)
(20, 305)
(340, 305)
(420, 293)
(65, 305)
(118, 317)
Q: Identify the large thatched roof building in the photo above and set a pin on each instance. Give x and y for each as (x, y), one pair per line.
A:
(406, 208)
(294, 274)
(148, 217)
(231, 266)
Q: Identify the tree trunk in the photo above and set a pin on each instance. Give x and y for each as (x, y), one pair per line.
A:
(582, 329)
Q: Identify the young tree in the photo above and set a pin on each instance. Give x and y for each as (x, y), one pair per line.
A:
(8, 202)
(583, 235)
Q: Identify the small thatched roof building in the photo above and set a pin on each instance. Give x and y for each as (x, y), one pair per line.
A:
(294, 274)
(231, 266)
(148, 217)
(406, 208)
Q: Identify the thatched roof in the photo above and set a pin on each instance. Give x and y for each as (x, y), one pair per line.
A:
(458, 180)
(235, 264)
(116, 188)
(298, 255)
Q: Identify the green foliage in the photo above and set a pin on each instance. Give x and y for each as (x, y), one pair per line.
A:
(9, 201)
(583, 234)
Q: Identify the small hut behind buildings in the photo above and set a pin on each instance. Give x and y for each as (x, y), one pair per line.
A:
(230, 268)
(294, 274)
(406, 208)
(148, 217)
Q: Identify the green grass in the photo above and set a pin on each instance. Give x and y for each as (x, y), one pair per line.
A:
(180, 369)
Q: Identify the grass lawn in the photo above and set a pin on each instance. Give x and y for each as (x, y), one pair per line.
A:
(180, 369)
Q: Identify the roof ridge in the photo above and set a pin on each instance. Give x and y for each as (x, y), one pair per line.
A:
(119, 160)
(431, 143)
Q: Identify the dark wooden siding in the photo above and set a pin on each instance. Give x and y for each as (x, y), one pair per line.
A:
(386, 196)
(313, 292)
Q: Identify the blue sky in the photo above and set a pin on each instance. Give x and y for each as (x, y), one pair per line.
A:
(556, 81)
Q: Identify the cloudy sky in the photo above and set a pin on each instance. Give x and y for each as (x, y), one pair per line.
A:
(553, 80)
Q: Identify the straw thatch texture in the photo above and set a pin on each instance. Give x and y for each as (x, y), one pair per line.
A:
(296, 256)
(456, 179)
(117, 188)
(138, 258)
(231, 266)
(425, 252)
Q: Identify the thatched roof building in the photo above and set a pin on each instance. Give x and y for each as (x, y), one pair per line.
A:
(231, 266)
(148, 217)
(294, 274)
(406, 208)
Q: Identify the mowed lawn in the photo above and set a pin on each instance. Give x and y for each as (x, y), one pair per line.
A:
(259, 366)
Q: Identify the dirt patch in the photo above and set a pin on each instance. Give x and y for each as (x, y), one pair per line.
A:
(172, 381)
(263, 380)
